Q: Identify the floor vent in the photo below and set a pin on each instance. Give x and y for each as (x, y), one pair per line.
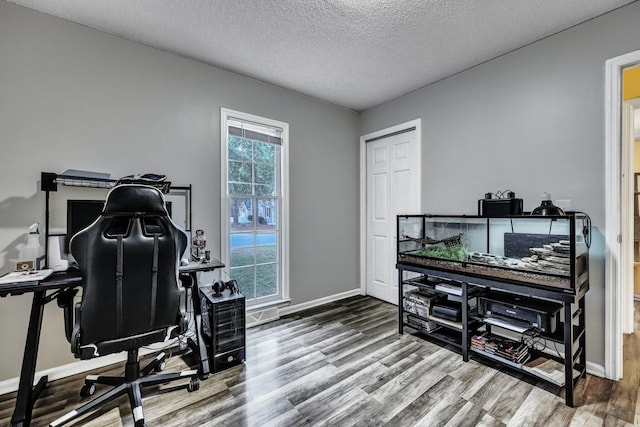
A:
(259, 317)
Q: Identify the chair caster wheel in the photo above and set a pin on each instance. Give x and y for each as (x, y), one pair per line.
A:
(87, 390)
(194, 385)
(161, 366)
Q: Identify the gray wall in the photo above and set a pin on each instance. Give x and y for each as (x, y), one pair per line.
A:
(73, 97)
(530, 121)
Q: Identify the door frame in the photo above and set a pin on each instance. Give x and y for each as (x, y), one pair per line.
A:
(417, 123)
(616, 220)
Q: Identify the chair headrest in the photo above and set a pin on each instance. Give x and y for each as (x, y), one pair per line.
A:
(135, 199)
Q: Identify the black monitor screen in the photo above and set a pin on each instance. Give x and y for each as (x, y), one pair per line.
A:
(80, 214)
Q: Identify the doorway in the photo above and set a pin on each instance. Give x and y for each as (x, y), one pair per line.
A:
(390, 179)
(617, 212)
(630, 254)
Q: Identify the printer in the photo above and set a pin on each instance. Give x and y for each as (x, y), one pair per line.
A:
(534, 313)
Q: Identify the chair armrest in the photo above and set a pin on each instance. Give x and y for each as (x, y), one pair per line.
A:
(65, 302)
(186, 280)
(75, 334)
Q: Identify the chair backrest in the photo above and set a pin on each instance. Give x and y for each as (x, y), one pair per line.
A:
(129, 260)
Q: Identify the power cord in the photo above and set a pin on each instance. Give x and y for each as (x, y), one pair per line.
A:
(504, 194)
(533, 339)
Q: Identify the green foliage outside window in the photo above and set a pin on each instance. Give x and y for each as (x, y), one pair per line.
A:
(252, 167)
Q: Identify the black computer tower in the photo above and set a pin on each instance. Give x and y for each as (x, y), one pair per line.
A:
(223, 327)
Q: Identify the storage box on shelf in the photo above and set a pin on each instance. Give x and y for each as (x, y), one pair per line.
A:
(532, 273)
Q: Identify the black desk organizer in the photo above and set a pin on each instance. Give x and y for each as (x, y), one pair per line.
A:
(223, 327)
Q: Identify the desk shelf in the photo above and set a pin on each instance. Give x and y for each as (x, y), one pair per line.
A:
(96, 187)
(50, 180)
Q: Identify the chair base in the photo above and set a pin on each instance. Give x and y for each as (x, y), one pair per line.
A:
(131, 384)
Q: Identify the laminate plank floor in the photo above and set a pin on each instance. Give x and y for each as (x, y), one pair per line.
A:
(344, 364)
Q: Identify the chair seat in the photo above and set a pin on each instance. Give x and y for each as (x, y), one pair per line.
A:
(97, 349)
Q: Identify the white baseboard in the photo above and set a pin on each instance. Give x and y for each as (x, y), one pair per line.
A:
(73, 368)
(10, 385)
(320, 301)
(262, 315)
(595, 369)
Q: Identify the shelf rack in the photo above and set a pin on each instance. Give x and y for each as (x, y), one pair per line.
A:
(572, 335)
(563, 351)
(49, 182)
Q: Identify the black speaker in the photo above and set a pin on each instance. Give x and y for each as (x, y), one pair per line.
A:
(223, 326)
(217, 288)
(48, 181)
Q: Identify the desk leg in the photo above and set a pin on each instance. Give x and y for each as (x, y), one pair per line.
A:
(27, 394)
(202, 350)
(200, 347)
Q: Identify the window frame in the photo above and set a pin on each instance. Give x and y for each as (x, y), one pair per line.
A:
(283, 215)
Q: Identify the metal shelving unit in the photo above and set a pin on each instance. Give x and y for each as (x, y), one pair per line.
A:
(559, 358)
(50, 181)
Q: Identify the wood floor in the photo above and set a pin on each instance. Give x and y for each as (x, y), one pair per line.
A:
(344, 364)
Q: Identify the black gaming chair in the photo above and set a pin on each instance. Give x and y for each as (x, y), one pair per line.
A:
(129, 260)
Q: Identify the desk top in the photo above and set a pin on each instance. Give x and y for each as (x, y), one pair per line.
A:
(57, 280)
(73, 278)
(195, 266)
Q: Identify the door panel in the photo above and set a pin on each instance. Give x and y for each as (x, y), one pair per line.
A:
(392, 183)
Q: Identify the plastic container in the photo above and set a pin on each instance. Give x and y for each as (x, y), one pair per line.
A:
(32, 250)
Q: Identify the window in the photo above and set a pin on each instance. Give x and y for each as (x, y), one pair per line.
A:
(254, 207)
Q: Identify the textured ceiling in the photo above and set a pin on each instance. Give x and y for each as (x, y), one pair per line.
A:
(352, 53)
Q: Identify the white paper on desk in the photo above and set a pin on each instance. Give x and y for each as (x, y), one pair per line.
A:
(25, 276)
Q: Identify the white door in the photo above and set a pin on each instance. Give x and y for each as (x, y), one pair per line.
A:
(392, 187)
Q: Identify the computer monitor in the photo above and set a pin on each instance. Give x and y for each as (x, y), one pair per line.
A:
(80, 214)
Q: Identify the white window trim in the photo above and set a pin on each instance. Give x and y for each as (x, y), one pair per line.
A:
(225, 114)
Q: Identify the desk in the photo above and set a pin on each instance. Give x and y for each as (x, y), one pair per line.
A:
(28, 394)
(47, 291)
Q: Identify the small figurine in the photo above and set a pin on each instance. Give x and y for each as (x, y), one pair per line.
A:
(199, 244)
